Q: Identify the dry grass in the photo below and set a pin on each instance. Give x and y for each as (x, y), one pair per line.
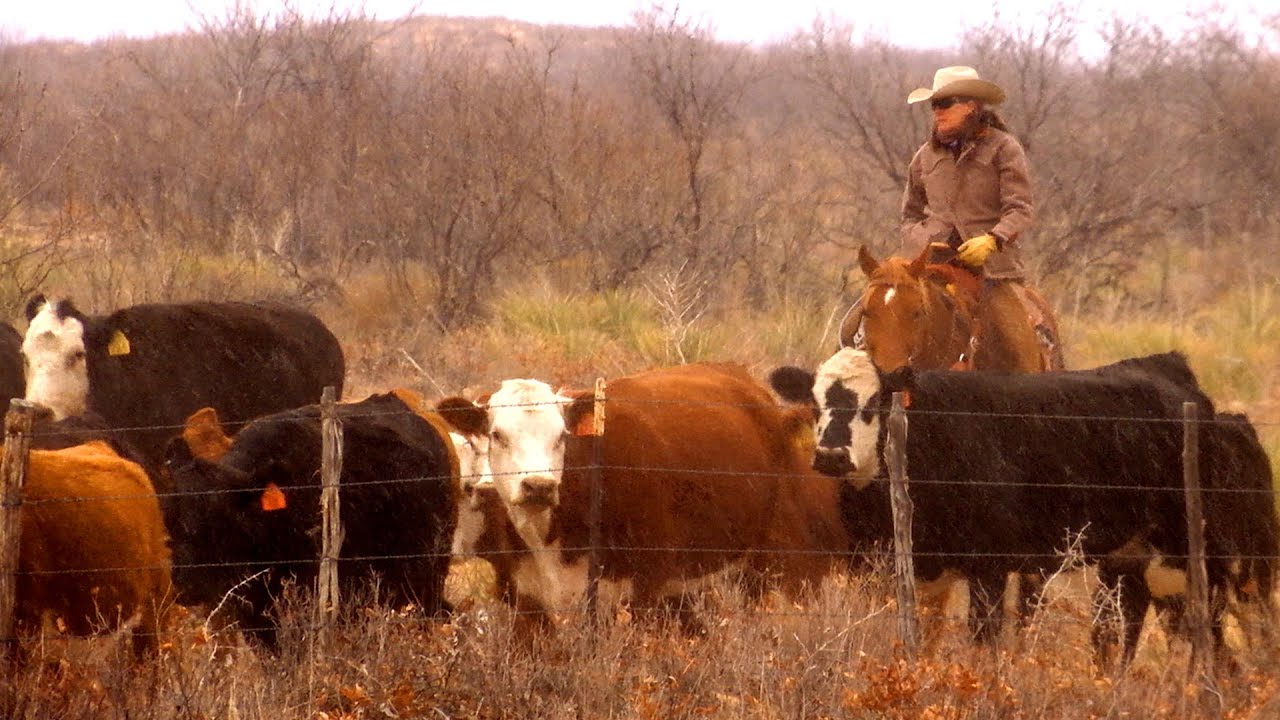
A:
(835, 656)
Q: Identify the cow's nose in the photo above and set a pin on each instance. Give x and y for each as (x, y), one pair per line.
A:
(834, 462)
(540, 490)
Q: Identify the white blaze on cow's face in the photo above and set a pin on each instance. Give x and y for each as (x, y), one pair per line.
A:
(846, 388)
(475, 478)
(53, 354)
(526, 443)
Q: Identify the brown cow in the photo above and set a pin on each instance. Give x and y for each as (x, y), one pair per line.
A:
(93, 553)
(701, 476)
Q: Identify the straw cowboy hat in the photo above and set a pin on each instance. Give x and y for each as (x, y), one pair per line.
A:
(958, 80)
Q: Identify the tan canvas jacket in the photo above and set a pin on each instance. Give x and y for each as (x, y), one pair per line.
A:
(985, 189)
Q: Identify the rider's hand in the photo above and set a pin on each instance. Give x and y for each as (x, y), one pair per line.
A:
(974, 251)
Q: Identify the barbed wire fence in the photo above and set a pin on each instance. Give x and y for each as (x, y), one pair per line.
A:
(19, 431)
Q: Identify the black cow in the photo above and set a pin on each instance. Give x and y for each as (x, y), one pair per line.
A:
(12, 381)
(1005, 468)
(255, 509)
(1242, 542)
(145, 368)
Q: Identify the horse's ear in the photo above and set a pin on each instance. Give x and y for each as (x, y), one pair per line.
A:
(867, 261)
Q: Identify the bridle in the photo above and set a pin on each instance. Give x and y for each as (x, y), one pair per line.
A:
(961, 324)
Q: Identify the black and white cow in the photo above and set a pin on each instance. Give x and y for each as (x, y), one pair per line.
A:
(144, 369)
(248, 506)
(1005, 468)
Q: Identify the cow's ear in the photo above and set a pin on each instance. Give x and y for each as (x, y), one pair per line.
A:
(464, 416)
(580, 414)
(34, 305)
(792, 384)
(204, 435)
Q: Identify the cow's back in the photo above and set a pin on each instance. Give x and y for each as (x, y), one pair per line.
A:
(243, 359)
(93, 545)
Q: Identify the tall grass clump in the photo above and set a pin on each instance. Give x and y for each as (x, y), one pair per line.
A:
(1232, 342)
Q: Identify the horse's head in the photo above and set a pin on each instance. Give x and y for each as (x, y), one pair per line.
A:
(911, 312)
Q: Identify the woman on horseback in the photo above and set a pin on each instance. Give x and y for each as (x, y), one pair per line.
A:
(968, 194)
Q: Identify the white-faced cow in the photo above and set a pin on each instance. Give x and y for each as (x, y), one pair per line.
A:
(93, 555)
(144, 369)
(700, 472)
(1004, 468)
(248, 506)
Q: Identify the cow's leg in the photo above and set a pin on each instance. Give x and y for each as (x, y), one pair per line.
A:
(1121, 600)
(931, 602)
(1030, 592)
(986, 606)
(532, 621)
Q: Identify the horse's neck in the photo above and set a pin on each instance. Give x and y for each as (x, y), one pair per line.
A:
(952, 323)
(964, 287)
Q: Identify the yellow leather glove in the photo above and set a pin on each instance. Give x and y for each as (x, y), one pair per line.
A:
(974, 251)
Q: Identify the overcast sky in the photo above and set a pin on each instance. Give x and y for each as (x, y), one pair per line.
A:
(915, 23)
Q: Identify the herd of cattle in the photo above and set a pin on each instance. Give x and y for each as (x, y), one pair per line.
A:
(178, 450)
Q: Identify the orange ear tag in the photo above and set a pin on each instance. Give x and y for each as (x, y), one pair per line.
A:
(273, 498)
(906, 399)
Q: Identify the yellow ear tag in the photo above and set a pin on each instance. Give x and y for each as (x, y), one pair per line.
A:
(951, 288)
(118, 345)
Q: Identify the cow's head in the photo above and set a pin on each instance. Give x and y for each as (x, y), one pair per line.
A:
(849, 395)
(524, 423)
(205, 518)
(54, 356)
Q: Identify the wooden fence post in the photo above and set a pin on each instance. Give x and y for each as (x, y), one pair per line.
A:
(903, 563)
(327, 599)
(596, 500)
(13, 468)
(1197, 578)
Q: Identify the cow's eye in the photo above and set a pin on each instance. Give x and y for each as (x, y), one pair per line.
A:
(76, 358)
(498, 438)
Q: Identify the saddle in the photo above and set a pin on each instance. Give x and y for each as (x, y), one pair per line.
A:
(960, 278)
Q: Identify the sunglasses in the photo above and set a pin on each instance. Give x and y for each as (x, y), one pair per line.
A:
(946, 102)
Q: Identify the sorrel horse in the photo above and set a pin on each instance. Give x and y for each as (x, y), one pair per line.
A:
(935, 315)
